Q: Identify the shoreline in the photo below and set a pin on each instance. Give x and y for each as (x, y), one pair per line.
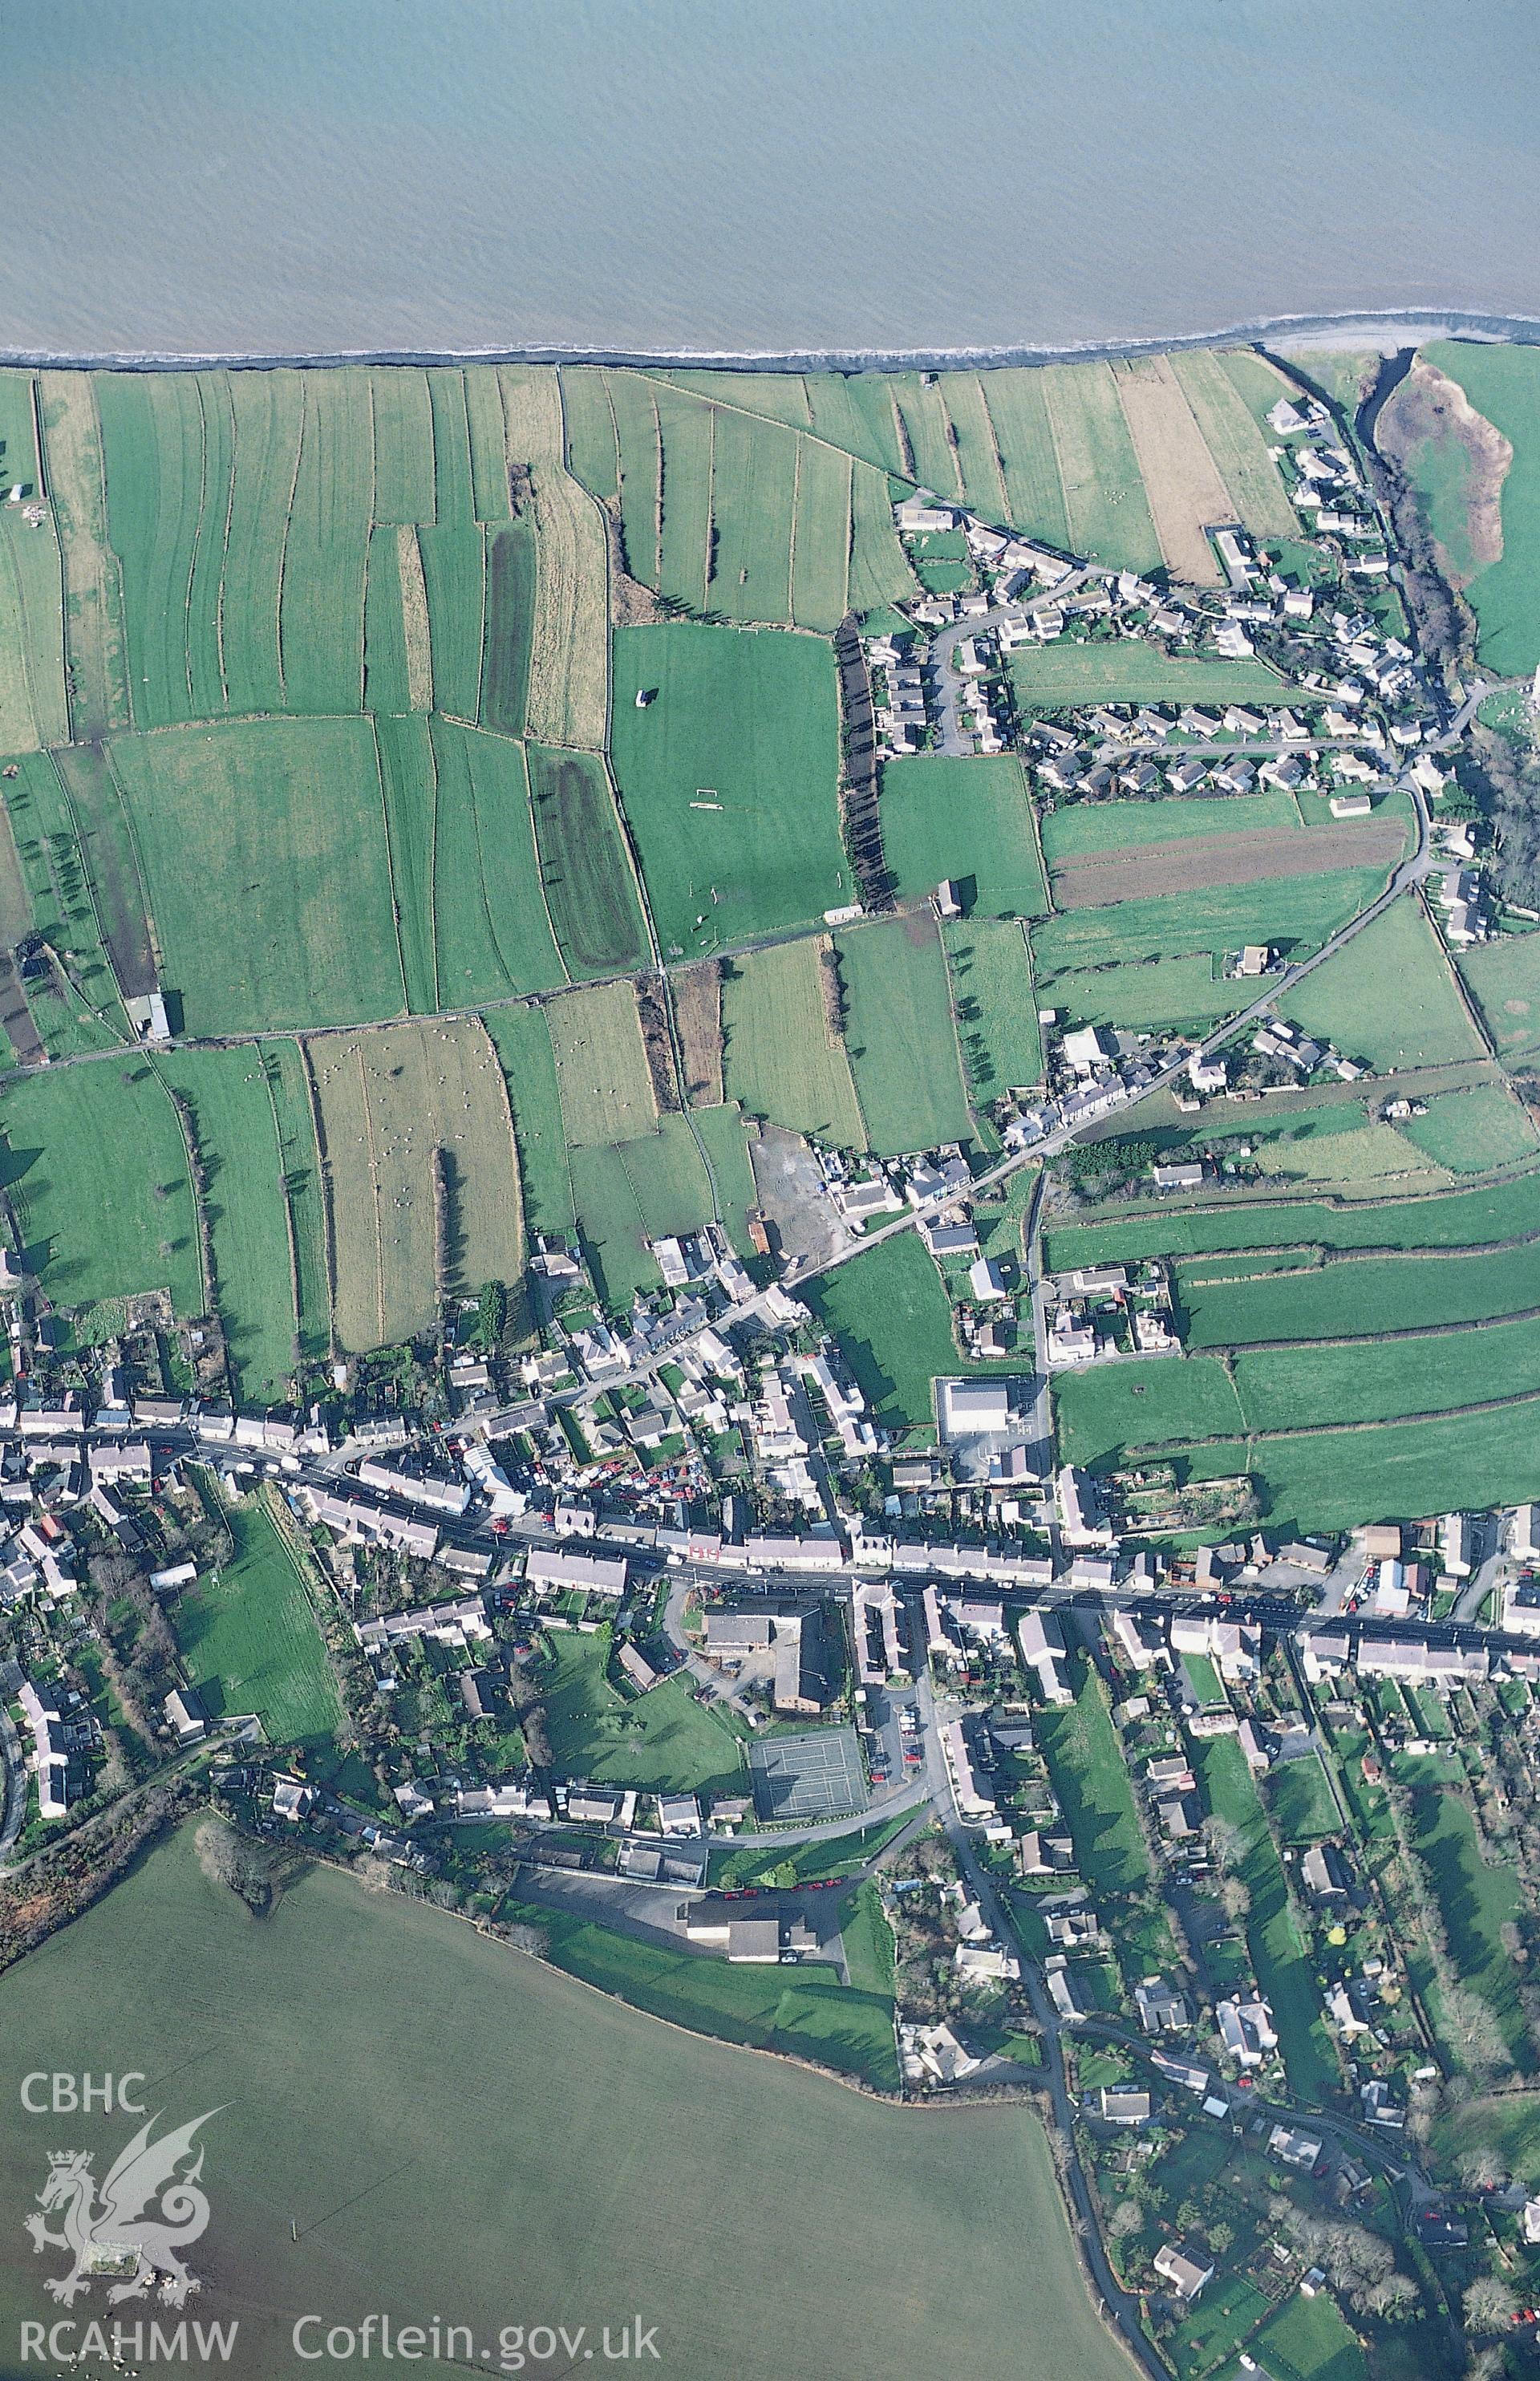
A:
(1393, 328)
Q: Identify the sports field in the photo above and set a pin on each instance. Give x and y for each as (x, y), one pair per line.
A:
(728, 779)
(248, 1635)
(970, 821)
(902, 1037)
(97, 1176)
(781, 1057)
(421, 1172)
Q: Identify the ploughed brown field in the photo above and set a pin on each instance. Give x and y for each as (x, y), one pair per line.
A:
(1191, 865)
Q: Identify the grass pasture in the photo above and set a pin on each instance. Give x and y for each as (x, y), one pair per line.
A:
(1475, 1130)
(1091, 1779)
(1103, 1411)
(1188, 990)
(1185, 493)
(1297, 912)
(779, 1057)
(1213, 387)
(1390, 999)
(902, 1037)
(92, 589)
(97, 1178)
(1380, 1380)
(1335, 1479)
(583, 865)
(1455, 1220)
(581, 2079)
(1075, 831)
(490, 923)
(522, 1041)
(745, 722)
(248, 1635)
(1503, 979)
(568, 666)
(1354, 1297)
(266, 867)
(1106, 511)
(421, 1170)
(630, 1192)
(606, 1090)
(967, 820)
(995, 1004)
(231, 1113)
(892, 1316)
(1069, 673)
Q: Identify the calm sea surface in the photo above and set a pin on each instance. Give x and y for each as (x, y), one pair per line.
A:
(313, 175)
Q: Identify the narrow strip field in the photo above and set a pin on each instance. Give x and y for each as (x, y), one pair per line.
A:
(230, 1115)
(783, 1058)
(423, 1174)
(606, 1089)
(902, 1037)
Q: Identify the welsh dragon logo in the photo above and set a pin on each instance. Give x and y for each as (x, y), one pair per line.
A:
(134, 2224)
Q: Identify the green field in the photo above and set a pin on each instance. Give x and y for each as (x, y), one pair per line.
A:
(249, 1637)
(1476, 1898)
(1350, 1297)
(1149, 993)
(1300, 1801)
(892, 1319)
(1369, 1380)
(1503, 382)
(1298, 913)
(1503, 979)
(1449, 1220)
(1309, 2339)
(265, 864)
(1080, 830)
(1474, 1132)
(606, 1091)
(661, 1741)
(587, 875)
(747, 723)
(520, 2054)
(779, 1057)
(900, 1035)
(97, 1177)
(522, 1041)
(808, 2015)
(1230, 392)
(231, 1114)
(1337, 1479)
(1105, 1410)
(1283, 1967)
(1390, 998)
(633, 1191)
(995, 1004)
(1070, 672)
(1091, 1779)
(970, 821)
(490, 923)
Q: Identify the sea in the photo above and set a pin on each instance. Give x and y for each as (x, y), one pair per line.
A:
(861, 179)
